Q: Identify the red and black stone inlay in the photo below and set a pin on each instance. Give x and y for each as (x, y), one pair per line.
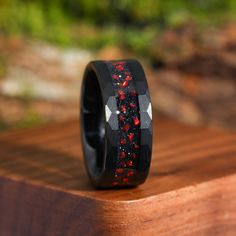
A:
(128, 120)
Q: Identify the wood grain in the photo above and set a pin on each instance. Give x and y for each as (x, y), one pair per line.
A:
(191, 189)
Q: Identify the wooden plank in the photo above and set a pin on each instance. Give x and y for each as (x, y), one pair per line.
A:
(44, 189)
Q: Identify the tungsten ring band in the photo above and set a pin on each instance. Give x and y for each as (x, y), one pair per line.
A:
(116, 123)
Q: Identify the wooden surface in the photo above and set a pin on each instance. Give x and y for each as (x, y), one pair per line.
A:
(191, 189)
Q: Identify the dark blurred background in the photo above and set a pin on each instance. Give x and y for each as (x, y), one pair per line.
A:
(188, 49)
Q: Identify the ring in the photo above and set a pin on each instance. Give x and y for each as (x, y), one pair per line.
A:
(116, 123)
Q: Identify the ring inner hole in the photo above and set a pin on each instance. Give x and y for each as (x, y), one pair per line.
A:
(94, 120)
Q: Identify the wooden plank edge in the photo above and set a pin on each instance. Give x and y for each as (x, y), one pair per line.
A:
(207, 208)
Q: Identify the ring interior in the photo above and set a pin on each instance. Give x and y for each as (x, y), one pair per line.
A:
(93, 123)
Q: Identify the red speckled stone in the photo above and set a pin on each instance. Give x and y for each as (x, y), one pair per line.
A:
(122, 155)
(133, 93)
(120, 67)
(122, 141)
(132, 105)
(125, 84)
(130, 136)
(128, 120)
(123, 108)
(126, 127)
(121, 94)
(115, 77)
(119, 171)
(136, 121)
(133, 155)
(128, 77)
(130, 173)
(121, 117)
(123, 164)
(129, 163)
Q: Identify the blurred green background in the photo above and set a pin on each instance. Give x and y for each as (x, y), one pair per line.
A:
(93, 24)
(188, 49)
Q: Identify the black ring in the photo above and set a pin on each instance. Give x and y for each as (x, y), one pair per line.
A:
(116, 123)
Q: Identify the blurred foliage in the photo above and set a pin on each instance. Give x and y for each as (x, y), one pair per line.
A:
(3, 126)
(90, 24)
(93, 24)
(3, 66)
(30, 119)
